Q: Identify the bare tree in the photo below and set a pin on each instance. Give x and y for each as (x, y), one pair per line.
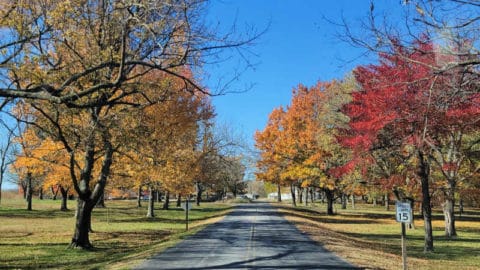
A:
(6, 152)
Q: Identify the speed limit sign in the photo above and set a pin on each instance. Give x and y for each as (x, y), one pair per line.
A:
(404, 212)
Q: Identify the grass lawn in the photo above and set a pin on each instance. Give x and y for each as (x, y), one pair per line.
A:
(370, 237)
(122, 236)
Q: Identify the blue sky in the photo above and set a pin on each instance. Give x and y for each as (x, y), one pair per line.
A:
(300, 46)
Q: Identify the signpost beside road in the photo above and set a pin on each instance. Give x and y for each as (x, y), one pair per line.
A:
(404, 215)
(404, 212)
(186, 207)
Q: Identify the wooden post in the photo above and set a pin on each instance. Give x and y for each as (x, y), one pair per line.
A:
(186, 214)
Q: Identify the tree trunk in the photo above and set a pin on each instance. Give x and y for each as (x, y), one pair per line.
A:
(411, 225)
(179, 200)
(23, 185)
(151, 203)
(387, 202)
(101, 202)
(352, 197)
(40, 193)
(306, 196)
(329, 195)
(279, 193)
(292, 190)
(166, 204)
(460, 206)
(374, 201)
(1, 183)
(64, 192)
(54, 192)
(449, 211)
(29, 192)
(139, 196)
(199, 190)
(83, 224)
(86, 197)
(423, 171)
(300, 195)
(344, 201)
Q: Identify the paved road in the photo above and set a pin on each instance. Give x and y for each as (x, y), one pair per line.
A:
(253, 236)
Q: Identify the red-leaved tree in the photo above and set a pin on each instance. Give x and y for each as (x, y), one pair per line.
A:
(421, 108)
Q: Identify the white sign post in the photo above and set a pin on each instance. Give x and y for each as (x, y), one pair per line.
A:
(403, 215)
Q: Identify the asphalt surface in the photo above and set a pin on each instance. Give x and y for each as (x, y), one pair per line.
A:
(252, 236)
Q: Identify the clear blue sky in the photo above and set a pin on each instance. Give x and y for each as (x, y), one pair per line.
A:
(300, 46)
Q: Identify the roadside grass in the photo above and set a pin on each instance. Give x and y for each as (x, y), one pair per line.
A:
(369, 237)
(122, 236)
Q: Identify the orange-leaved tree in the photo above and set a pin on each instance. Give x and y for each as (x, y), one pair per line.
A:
(270, 163)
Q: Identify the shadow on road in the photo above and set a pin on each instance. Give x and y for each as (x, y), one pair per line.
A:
(252, 236)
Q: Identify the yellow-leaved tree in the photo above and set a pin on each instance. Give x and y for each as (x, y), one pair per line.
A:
(81, 66)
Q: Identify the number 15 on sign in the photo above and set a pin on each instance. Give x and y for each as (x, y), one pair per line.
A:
(404, 212)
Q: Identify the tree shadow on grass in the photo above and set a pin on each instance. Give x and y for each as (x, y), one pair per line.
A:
(209, 209)
(132, 235)
(176, 220)
(327, 219)
(23, 213)
(324, 218)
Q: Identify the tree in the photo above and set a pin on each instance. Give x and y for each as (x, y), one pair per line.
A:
(258, 188)
(385, 99)
(122, 36)
(219, 166)
(451, 26)
(444, 22)
(5, 154)
(333, 123)
(270, 164)
(84, 59)
(300, 136)
(300, 145)
(44, 163)
(232, 172)
(54, 159)
(406, 98)
(29, 171)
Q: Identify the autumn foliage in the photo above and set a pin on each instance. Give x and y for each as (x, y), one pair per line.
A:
(389, 129)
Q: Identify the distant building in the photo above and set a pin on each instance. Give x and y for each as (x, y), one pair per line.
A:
(251, 196)
(274, 196)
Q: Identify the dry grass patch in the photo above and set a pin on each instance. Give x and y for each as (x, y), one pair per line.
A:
(370, 238)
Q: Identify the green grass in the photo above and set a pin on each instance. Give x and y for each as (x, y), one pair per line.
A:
(122, 235)
(370, 237)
